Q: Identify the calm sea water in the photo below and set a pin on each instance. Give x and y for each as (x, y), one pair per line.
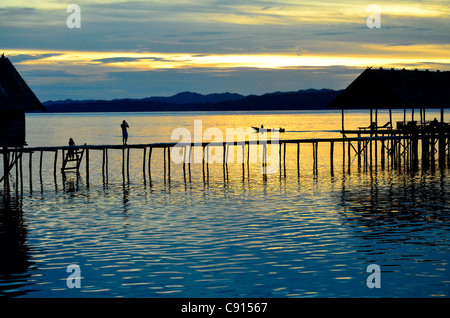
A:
(234, 234)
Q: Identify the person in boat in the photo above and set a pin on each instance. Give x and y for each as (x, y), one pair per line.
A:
(124, 127)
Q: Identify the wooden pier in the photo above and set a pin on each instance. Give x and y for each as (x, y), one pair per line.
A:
(402, 152)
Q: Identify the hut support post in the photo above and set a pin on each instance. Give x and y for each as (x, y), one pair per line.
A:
(6, 170)
(30, 168)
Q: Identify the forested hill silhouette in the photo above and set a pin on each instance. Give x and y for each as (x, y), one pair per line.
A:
(188, 101)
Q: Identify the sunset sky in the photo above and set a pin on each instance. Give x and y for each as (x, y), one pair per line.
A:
(135, 49)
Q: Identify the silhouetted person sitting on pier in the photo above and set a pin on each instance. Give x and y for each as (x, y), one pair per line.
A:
(70, 153)
(434, 123)
(124, 126)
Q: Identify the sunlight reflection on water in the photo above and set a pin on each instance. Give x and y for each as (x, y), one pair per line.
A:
(312, 236)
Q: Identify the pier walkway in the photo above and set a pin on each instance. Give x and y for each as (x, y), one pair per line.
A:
(397, 150)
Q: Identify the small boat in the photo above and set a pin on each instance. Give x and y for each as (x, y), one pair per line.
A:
(281, 130)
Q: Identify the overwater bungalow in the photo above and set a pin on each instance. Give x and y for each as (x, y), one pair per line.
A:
(16, 98)
(414, 91)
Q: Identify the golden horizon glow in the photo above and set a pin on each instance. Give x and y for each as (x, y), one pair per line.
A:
(386, 56)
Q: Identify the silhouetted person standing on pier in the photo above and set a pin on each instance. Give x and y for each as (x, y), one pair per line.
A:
(124, 132)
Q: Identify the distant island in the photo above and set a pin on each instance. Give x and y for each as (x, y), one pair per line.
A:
(310, 99)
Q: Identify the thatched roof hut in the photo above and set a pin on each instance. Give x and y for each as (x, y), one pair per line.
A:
(16, 98)
(389, 88)
(396, 89)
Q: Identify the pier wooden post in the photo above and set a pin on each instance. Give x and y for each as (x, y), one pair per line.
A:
(56, 160)
(298, 159)
(315, 157)
(40, 164)
(143, 161)
(5, 170)
(224, 154)
(105, 165)
(149, 164)
(349, 155)
(359, 151)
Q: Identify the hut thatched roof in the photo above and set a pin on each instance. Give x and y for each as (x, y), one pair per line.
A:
(389, 88)
(15, 95)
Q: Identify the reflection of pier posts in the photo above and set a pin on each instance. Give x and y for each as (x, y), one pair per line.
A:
(143, 163)
(359, 151)
(448, 150)
(203, 162)
(264, 161)
(54, 163)
(30, 171)
(415, 152)
(442, 144)
(87, 166)
(315, 157)
(284, 159)
(331, 157)
(425, 152)
(349, 156)
(105, 165)
(5, 170)
(432, 150)
(150, 165)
